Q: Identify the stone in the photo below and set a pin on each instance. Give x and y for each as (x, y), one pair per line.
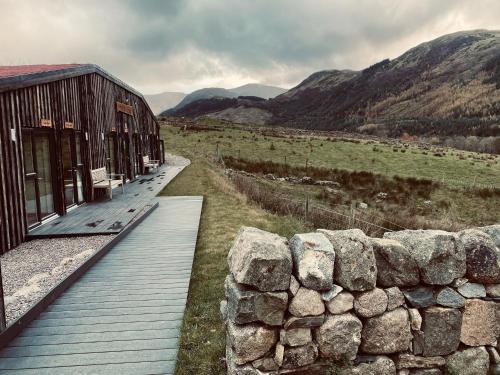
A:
(483, 256)
(332, 293)
(459, 281)
(440, 256)
(420, 297)
(355, 266)
(371, 303)
(395, 297)
(473, 361)
(404, 371)
(314, 260)
(299, 356)
(480, 323)
(395, 265)
(316, 368)
(339, 337)
(449, 298)
(493, 290)
(494, 356)
(371, 365)
(247, 305)
(418, 342)
(494, 369)
(279, 354)
(265, 364)
(260, 259)
(494, 232)
(341, 304)
(305, 322)
(294, 285)
(415, 319)
(413, 361)
(295, 336)
(247, 369)
(427, 371)
(250, 342)
(306, 302)
(441, 327)
(472, 290)
(223, 310)
(387, 333)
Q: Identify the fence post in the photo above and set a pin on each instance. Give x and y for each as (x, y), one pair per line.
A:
(306, 207)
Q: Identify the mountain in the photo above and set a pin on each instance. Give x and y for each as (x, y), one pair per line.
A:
(252, 89)
(448, 83)
(261, 91)
(163, 101)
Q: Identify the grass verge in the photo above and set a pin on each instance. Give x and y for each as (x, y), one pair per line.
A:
(202, 343)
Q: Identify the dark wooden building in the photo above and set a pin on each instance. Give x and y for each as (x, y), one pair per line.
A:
(57, 123)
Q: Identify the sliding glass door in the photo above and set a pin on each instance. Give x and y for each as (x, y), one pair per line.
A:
(72, 167)
(39, 192)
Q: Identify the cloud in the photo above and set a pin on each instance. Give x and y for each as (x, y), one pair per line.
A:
(181, 45)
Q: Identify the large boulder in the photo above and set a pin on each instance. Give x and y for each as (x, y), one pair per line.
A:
(370, 365)
(480, 323)
(387, 333)
(395, 265)
(250, 342)
(438, 254)
(299, 356)
(247, 305)
(306, 302)
(341, 304)
(260, 259)
(314, 260)
(339, 337)
(483, 256)
(371, 303)
(355, 266)
(473, 361)
(441, 327)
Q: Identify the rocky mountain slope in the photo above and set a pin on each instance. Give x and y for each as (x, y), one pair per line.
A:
(453, 80)
(163, 101)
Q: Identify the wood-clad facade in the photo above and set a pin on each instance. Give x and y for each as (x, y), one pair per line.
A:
(55, 127)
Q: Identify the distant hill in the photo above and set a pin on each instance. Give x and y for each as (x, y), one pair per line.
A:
(163, 101)
(252, 89)
(446, 84)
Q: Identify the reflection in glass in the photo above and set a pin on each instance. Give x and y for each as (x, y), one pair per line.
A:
(69, 191)
(44, 175)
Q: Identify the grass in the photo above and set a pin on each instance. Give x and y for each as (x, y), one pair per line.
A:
(202, 346)
(342, 154)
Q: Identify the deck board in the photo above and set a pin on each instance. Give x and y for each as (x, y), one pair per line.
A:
(124, 315)
(109, 216)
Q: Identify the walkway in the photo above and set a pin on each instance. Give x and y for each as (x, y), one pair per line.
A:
(110, 216)
(124, 315)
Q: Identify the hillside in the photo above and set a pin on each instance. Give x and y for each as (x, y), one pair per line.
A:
(164, 100)
(249, 90)
(447, 84)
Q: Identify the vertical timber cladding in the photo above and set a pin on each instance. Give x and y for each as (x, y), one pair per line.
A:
(87, 101)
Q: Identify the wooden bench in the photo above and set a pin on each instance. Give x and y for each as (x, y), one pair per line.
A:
(150, 164)
(104, 180)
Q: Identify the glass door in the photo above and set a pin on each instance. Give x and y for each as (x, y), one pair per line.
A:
(111, 153)
(71, 155)
(38, 176)
(126, 157)
(137, 154)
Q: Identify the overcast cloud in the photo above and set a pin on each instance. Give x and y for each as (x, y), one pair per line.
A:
(175, 45)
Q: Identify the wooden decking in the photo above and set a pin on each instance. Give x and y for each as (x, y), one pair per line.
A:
(109, 216)
(124, 315)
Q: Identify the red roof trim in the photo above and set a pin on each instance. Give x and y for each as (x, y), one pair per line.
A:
(21, 70)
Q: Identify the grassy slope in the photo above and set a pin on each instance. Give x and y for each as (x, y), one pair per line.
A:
(224, 211)
(340, 154)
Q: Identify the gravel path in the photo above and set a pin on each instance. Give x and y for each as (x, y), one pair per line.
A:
(33, 268)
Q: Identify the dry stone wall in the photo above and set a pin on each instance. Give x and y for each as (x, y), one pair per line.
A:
(340, 302)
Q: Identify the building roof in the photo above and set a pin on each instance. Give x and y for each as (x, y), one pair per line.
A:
(16, 77)
(22, 70)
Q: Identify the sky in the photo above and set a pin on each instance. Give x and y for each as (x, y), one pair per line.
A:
(183, 45)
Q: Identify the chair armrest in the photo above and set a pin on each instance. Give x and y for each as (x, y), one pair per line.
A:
(116, 174)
